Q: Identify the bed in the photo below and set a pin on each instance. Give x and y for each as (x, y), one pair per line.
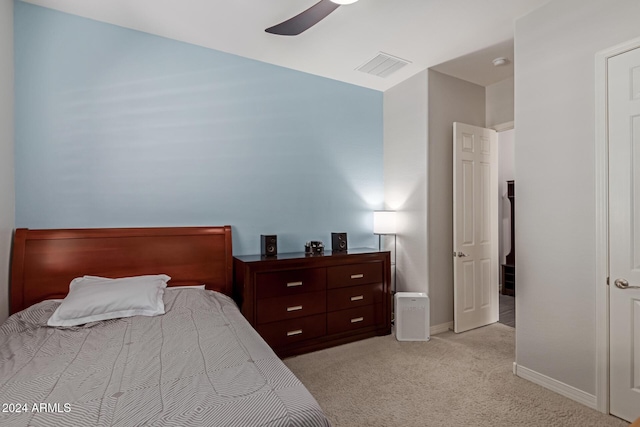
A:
(199, 364)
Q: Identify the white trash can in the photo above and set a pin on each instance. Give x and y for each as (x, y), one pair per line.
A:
(412, 316)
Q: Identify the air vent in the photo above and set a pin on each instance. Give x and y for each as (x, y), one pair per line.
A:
(383, 65)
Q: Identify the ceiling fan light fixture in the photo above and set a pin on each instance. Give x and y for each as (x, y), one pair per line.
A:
(308, 18)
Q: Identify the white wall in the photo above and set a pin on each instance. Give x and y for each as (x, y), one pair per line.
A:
(500, 102)
(7, 194)
(405, 177)
(555, 163)
(506, 172)
(450, 100)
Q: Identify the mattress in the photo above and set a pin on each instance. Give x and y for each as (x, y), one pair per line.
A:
(200, 364)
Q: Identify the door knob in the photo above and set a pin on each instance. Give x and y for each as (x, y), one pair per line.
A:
(460, 254)
(623, 284)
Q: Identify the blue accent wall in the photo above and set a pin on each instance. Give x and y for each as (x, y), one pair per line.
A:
(119, 128)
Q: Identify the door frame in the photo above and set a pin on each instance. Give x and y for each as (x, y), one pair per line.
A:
(602, 220)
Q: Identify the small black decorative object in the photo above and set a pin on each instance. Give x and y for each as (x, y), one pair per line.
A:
(268, 245)
(339, 242)
(314, 247)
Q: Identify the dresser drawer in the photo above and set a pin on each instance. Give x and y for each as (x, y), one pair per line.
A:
(354, 318)
(290, 282)
(354, 296)
(285, 332)
(354, 274)
(291, 306)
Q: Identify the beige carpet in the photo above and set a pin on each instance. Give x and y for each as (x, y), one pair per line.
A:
(453, 380)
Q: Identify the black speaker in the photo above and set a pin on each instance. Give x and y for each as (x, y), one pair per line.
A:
(338, 242)
(268, 244)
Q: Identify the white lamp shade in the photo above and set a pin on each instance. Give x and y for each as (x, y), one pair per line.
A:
(384, 222)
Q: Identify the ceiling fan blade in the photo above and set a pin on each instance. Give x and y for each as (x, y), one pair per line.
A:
(304, 20)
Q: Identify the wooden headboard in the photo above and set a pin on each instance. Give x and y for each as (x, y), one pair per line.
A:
(45, 261)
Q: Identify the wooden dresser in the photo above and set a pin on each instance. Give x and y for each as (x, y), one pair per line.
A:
(509, 267)
(304, 303)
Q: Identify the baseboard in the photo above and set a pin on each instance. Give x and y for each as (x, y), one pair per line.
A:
(556, 386)
(438, 329)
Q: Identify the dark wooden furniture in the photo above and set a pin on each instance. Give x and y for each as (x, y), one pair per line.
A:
(304, 303)
(43, 264)
(45, 261)
(509, 267)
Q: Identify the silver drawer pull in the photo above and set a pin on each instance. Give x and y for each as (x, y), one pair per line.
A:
(357, 298)
(292, 284)
(296, 332)
(357, 276)
(294, 308)
(357, 319)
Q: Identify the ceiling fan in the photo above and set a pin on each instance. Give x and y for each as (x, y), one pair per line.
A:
(308, 18)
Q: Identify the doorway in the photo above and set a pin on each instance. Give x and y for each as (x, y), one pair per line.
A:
(506, 203)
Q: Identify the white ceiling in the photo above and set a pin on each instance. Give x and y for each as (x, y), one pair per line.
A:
(477, 67)
(425, 32)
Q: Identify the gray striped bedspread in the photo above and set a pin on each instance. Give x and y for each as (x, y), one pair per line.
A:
(200, 364)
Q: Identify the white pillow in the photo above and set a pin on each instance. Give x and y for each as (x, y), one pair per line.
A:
(93, 298)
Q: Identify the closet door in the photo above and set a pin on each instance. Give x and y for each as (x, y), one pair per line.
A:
(624, 226)
(475, 226)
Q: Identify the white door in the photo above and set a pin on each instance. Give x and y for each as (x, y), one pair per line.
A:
(624, 231)
(475, 227)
